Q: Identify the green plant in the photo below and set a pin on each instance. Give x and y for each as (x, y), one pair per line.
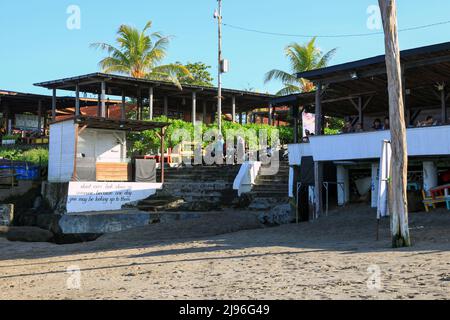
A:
(34, 156)
(11, 137)
(301, 58)
(139, 54)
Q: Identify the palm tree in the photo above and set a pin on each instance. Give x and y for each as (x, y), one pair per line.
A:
(302, 58)
(139, 55)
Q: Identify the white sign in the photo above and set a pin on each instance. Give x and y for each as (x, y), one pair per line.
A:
(309, 123)
(106, 196)
(27, 122)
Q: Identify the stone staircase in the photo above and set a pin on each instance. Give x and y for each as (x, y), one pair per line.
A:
(270, 191)
(196, 188)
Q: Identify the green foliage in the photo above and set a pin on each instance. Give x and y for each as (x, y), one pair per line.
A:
(149, 141)
(301, 58)
(11, 137)
(139, 54)
(34, 156)
(200, 75)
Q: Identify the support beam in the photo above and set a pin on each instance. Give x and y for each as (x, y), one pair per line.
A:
(139, 104)
(318, 109)
(99, 105)
(233, 108)
(343, 188)
(444, 106)
(270, 114)
(194, 107)
(40, 117)
(54, 105)
(318, 188)
(103, 100)
(162, 160)
(166, 106)
(360, 112)
(151, 103)
(375, 183)
(430, 176)
(77, 100)
(123, 111)
(204, 112)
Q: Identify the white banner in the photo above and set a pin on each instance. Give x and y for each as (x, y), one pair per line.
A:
(385, 173)
(106, 196)
(309, 123)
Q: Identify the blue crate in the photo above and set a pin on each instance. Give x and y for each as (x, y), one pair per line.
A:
(23, 172)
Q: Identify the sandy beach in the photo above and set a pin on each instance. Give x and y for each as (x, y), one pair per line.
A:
(333, 258)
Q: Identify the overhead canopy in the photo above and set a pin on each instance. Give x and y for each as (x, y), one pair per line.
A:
(113, 124)
(133, 87)
(19, 102)
(424, 69)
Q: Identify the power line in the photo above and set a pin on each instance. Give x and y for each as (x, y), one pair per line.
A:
(335, 35)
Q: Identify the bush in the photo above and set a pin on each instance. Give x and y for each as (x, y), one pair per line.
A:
(149, 141)
(34, 156)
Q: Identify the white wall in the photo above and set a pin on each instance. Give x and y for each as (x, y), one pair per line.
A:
(61, 151)
(426, 141)
(102, 145)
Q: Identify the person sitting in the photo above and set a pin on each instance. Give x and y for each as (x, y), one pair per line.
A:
(377, 125)
(428, 122)
(386, 124)
(359, 127)
(348, 128)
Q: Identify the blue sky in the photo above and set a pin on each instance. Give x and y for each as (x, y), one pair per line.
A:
(37, 46)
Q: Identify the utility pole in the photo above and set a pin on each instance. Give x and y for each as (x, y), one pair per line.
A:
(399, 168)
(218, 16)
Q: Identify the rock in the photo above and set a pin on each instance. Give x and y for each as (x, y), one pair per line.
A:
(3, 231)
(48, 222)
(281, 214)
(29, 234)
(243, 201)
(260, 204)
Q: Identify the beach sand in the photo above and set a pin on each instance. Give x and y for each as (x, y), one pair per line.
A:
(333, 258)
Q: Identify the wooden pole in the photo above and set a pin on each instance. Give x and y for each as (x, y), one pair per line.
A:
(399, 167)
(166, 106)
(318, 166)
(77, 100)
(444, 106)
(54, 105)
(103, 100)
(194, 107)
(163, 133)
(40, 117)
(123, 111)
(151, 103)
(204, 111)
(233, 107)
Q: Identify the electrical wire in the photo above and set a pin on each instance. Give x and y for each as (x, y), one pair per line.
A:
(335, 35)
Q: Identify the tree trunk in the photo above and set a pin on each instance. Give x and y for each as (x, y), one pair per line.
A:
(399, 167)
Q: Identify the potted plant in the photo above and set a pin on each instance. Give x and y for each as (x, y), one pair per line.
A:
(9, 139)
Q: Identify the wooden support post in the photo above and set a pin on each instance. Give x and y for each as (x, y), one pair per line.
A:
(162, 160)
(54, 105)
(398, 200)
(99, 105)
(360, 112)
(103, 100)
(150, 103)
(318, 109)
(40, 117)
(233, 108)
(270, 114)
(444, 106)
(123, 109)
(204, 112)
(166, 106)
(77, 100)
(194, 107)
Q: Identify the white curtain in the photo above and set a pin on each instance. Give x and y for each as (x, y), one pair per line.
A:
(385, 168)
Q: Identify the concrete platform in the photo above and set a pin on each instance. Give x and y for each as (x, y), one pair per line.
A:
(116, 221)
